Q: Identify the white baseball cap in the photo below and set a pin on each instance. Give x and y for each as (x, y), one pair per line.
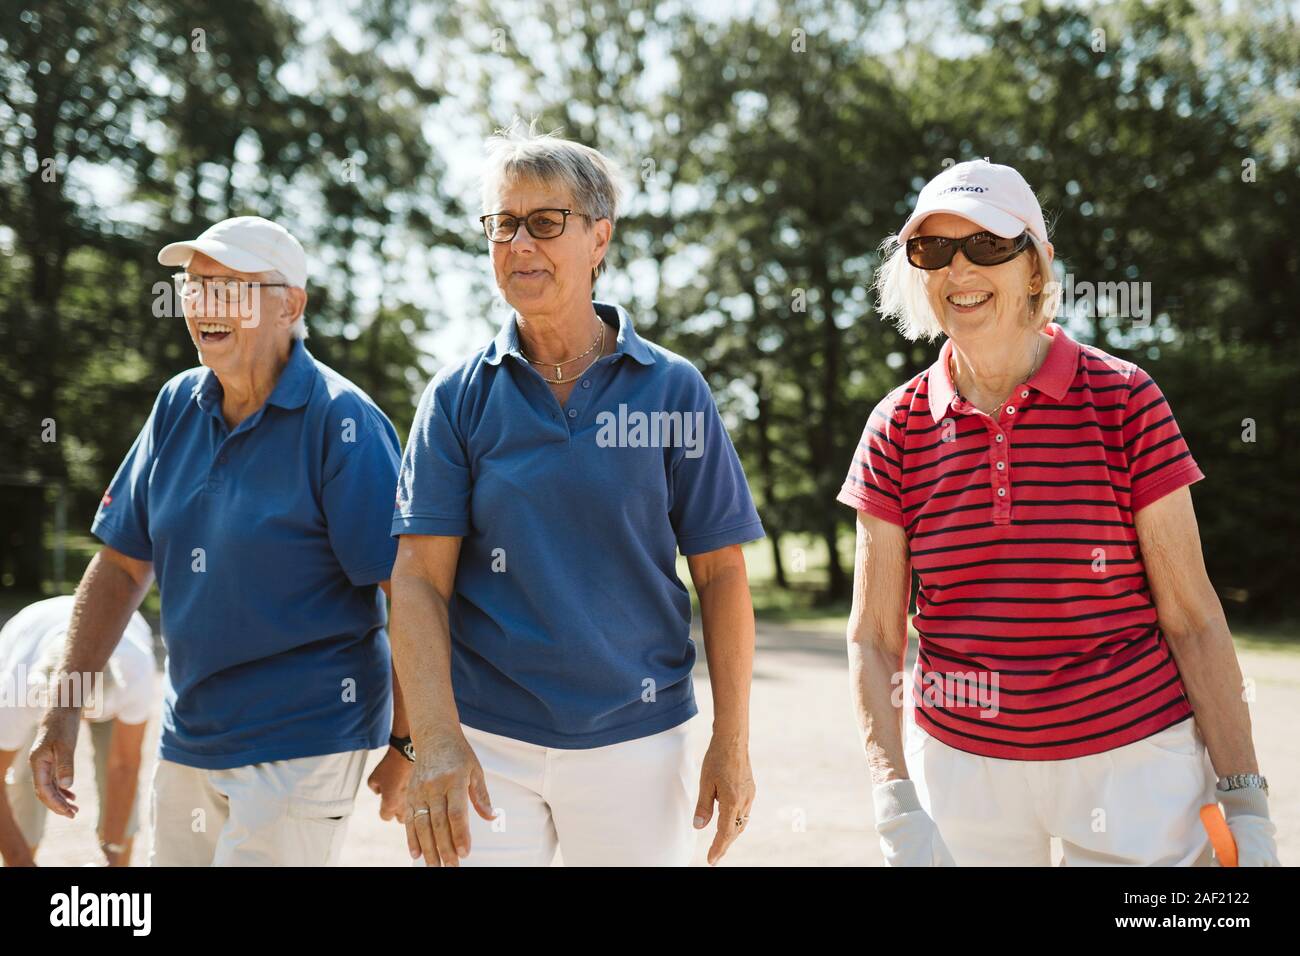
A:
(245, 244)
(988, 194)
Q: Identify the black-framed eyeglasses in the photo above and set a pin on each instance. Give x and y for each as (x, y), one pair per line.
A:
(218, 288)
(982, 249)
(540, 223)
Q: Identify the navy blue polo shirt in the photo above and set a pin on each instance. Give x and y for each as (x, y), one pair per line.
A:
(570, 627)
(268, 543)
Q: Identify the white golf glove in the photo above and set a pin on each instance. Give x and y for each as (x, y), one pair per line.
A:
(908, 837)
(1246, 811)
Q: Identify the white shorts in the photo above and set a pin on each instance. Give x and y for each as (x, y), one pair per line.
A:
(277, 813)
(627, 804)
(1136, 805)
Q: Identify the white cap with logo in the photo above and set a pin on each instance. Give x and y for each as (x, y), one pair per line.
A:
(245, 244)
(988, 194)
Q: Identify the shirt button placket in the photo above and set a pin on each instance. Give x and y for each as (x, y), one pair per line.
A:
(578, 401)
(1001, 480)
(1002, 464)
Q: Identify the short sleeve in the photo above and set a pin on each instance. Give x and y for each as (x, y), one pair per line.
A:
(122, 520)
(357, 500)
(711, 505)
(1159, 460)
(433, 488)
(874, 481)
(17, 726)
(139, 701)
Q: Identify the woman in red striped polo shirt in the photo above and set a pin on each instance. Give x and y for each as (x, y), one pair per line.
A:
(1074, 662)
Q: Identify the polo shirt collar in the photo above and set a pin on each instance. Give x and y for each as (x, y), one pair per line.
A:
(505, 343)
(1053, 377)
(292, 389)
(294, 386)
(628, 342)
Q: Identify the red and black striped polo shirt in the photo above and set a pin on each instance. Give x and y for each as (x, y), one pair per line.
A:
(1038, 631)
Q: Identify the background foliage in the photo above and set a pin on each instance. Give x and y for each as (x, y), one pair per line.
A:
(770, 148)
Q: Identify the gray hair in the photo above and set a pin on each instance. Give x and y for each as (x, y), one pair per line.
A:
(900, 288)
(593, 180)
(299, 328)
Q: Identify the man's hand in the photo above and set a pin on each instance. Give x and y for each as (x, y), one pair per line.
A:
(389, 780)
(725, 776)
(52, 757)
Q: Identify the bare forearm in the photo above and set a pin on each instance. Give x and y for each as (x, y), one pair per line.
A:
(119, 796)
(727, 617)
(13, 845)
(873, 665)
(421, 639)
(877, 643)
(401, 726)
(1212, 678)
(106, 598)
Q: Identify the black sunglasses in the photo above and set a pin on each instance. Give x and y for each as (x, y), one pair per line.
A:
(982, 249)
(540, 223)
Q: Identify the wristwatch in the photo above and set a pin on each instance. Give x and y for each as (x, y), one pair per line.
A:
(403, 745)
(1242, 781)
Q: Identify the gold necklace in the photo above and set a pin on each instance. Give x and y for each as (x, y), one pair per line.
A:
(997, 411)
(600, 337)
(565, 381)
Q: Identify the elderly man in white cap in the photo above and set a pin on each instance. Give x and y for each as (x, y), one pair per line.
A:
(258, 493)
(1075, 677)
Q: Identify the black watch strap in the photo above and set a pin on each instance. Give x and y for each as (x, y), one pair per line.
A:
(403, 745)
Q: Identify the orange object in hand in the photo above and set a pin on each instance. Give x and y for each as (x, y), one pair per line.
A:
(1225, 847)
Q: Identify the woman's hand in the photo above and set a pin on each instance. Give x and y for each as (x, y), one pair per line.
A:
(725, 776)
(908, 835)
(1246, 813)
(447, 776)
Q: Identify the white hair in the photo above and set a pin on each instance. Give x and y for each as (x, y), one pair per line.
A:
(593, 180)
(299, 328)
(900, 288)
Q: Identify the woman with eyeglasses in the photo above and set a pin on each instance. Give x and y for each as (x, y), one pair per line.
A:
(540, 630)
(1074, 664)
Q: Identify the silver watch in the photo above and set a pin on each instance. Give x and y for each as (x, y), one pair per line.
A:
(1242, 781)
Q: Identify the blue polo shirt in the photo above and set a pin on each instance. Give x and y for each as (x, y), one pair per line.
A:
(569, 625)
(268, 543)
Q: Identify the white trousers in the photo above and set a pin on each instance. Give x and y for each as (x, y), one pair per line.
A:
(1136, 805)
(627, 804)
(277, 813)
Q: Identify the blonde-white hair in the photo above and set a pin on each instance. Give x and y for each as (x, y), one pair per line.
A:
(595, 181)
(900, 291)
